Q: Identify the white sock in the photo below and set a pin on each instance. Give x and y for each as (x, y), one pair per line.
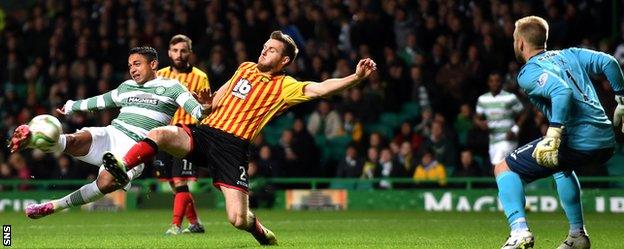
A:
(87, 193)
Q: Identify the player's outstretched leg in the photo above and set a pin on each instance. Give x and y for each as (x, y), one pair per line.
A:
(20, 138)
(239, 215)
(569, 191)
(511, 195)
(87, 193)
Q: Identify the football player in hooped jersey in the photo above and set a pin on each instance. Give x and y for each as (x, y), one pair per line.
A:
(241, 107)
(146, 102)
(580, 134)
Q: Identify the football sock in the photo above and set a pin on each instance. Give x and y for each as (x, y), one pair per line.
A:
(511, 195)
(569, 191)
(180, 201)
(87, 193)
(191, 213)
(140, 152)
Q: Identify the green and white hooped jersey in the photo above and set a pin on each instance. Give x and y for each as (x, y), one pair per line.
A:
(500, 112)
(143, 107)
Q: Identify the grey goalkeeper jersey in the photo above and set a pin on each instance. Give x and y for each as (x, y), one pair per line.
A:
(143, 107)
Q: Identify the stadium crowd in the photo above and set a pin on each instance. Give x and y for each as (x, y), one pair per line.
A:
(434, 54)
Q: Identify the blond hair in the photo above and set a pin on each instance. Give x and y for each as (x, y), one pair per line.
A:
(534, 30)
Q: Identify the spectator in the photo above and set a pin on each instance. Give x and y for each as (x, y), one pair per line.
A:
(441, 144)
(351, 166)
(388, 168)
(407, 135)
(406, 159)
(325, 121)
(430, 169)
(370, 165)
(463, 123)
(467, 165)
(353, 127)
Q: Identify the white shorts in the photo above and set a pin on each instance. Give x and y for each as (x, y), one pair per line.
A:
(500, 150)
(105, 139)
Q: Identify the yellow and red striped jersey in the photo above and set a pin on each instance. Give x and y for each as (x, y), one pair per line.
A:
(195, 81)
(251, 99)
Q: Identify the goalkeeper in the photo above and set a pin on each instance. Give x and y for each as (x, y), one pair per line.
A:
(580, 134)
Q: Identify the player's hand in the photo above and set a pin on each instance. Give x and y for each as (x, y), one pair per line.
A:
(546, 152)
(618, 114)
(365, 68)
(66, 109)
(205, 97)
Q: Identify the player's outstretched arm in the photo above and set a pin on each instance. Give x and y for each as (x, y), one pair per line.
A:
(100, 102)
(364, 68)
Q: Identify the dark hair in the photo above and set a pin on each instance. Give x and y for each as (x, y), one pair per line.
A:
(181, 38)
(148, 52)
(290, 47)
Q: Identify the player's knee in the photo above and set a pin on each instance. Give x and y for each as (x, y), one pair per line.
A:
(500, 168)
(107, 185)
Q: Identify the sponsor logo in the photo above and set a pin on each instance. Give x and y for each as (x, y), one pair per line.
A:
(241, 89)
(242, 184)
(137, 100)
(541, 81)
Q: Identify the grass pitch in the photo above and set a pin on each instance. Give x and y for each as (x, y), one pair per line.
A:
(347, 229)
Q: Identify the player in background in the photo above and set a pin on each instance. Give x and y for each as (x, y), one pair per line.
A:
(580, 134)
(247, 102)
(146, 102)
(175, 170)
(499, 109)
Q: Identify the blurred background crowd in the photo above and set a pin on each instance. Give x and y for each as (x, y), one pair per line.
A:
(434, 59)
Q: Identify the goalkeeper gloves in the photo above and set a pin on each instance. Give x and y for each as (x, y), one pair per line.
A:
(618, 114)
(546, 152)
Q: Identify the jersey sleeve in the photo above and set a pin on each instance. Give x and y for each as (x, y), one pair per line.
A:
(595, 62)
(104, 101)
(480, 109)
(293, 91)
(185, 99)
(541, 85)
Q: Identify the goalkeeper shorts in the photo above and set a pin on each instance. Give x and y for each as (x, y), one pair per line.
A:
(522, 162)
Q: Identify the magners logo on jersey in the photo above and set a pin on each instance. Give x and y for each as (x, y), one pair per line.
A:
(137, 100)
(241, 89)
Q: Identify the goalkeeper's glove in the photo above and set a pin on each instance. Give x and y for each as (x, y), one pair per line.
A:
(618, 114)
(546, 152)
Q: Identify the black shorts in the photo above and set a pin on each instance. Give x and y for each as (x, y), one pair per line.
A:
(168, 168)
(521, 160)
(225, 155)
